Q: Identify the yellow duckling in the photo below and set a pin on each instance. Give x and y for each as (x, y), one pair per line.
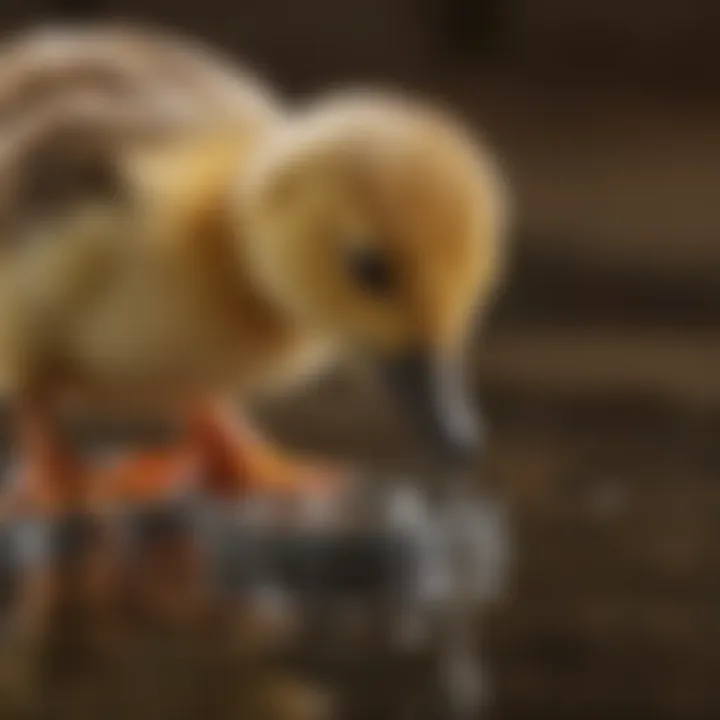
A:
(243, 246)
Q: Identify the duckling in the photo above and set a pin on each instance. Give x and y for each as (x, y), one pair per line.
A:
(241, 256)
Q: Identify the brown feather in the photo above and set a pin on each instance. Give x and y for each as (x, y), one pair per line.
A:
(71, 100)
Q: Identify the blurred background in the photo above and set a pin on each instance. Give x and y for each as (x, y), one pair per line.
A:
(600, 367)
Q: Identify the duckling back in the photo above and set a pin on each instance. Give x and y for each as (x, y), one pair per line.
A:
(72, 98)
(76, 104)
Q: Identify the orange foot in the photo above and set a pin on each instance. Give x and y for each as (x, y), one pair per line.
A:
(147, 478)
(236, 461)
(226, 459)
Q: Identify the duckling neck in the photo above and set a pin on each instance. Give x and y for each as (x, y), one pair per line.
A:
(221, 223)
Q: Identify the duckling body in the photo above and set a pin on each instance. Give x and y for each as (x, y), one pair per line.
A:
(148, 302)
(239, 244)
(146, 299)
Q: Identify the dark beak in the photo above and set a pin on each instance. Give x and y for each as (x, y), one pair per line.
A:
(434, 393)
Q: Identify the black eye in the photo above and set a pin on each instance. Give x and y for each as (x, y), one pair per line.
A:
(371, 270)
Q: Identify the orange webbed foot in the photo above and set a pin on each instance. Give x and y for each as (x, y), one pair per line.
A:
(147, 478)
(235, 461)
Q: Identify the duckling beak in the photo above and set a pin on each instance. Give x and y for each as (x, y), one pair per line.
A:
(434, 392)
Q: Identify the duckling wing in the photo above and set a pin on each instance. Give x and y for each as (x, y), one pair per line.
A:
(73, 99)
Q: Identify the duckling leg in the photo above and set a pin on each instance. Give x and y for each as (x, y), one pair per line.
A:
(225, 456)
(53, 497)
(52, 480)
(235, 459)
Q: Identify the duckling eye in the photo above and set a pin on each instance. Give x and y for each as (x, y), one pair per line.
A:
(370, 270)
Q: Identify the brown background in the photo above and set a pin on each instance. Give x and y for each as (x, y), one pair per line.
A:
(599, 370)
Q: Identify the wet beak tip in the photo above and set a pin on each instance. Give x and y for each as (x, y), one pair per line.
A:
(435, 395)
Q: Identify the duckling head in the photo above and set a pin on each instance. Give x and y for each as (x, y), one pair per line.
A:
(377, 222)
